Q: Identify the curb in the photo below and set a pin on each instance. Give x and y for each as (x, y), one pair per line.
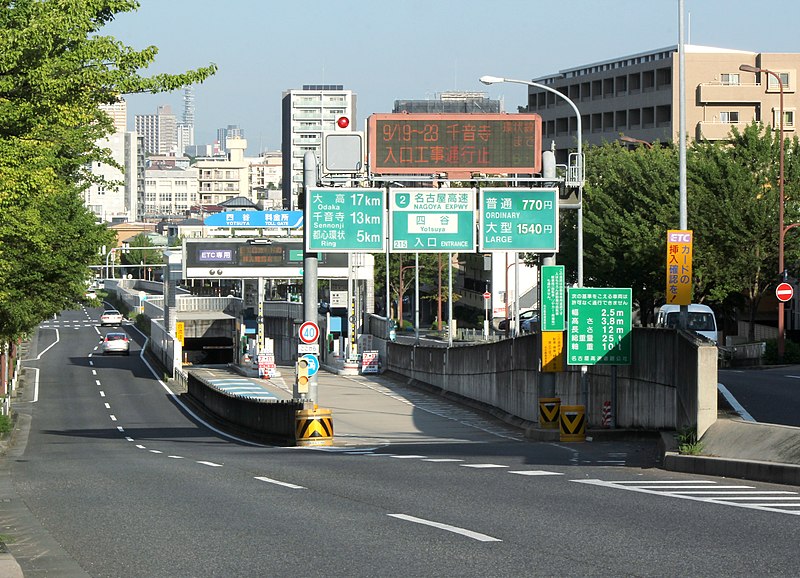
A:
(759, 471)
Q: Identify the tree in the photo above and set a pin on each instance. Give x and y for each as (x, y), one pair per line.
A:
(55, 72)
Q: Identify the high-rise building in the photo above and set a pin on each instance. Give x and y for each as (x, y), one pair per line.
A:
(159, 130)
(307, 113)
(637, 96)
(185, 128)
(110, 201)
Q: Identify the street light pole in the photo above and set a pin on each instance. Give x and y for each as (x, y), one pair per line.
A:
(781, 229)
(579, 167)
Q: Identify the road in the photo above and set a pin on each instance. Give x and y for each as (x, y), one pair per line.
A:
(116, 479)
(768, 395)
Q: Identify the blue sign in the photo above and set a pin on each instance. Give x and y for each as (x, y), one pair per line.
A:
(313, 363)
(256, 219)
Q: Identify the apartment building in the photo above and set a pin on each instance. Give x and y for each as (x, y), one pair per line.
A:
(225, 177)
(307, 114)
(638, 96)
(169, 191)
(160, 131)
(265, 179)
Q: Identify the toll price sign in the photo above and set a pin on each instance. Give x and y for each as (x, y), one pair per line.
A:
(432, 220)
(346, 220)
(519, 220)
(599, 326)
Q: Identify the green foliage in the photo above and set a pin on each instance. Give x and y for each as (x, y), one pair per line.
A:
(688, 444)
(56, 70)
(791, 352)
(5, 424)
(428, 276)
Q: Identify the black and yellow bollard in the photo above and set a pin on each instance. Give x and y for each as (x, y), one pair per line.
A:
(548, 412)
(573, 423)
(313, 427)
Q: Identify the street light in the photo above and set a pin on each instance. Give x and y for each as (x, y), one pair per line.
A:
(574, 174)
(630, 139)
(401, 291)
(781, 229)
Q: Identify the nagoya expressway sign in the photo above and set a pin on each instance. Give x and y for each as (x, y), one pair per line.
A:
(432, 220)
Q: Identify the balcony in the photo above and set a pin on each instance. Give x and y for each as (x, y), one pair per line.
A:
(717, 130)
(732, 93)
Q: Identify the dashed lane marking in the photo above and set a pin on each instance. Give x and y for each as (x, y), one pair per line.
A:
(279, 483)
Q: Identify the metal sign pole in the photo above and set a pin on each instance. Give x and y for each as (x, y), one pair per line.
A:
(310, 292)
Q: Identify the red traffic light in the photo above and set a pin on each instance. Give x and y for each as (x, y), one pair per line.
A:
(343, 122)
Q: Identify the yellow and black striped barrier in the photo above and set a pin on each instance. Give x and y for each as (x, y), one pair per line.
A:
(573, 423)
(313, 427)
(548, 412)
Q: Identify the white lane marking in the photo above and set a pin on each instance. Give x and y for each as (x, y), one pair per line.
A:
(113, 417)
(120, 429)
(723, 501)
(737, 407)
(102, 393)
(536, 473)
(212, 464)
(141, 447)
(686, 489)
(411, 457)
(108, 406)
(455, 529)
(58, 337)
(176, 457)
(793, 376)
(97, 381)
(279, 483)
(441, 460)
(94, 372)
(156, 452)
(130, 439)
(639, 483)
(91, 363)
(482, 466)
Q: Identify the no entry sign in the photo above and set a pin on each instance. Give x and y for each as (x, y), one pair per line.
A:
(784, 292)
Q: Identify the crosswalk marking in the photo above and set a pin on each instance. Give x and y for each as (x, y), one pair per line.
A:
(740, 496)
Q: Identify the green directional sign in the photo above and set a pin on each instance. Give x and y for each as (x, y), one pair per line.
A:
(431, 220)
(345, 220)
(599, 330)
(519, 220)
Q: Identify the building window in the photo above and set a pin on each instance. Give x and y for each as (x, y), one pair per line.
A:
(729, 117)
(788, 118)
(729, 78)
(772, 82)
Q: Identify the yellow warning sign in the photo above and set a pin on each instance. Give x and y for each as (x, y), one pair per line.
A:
(314, 427)
(679, 267)
(179, 329)
(573, 423)
(548, 412)
(552, 351)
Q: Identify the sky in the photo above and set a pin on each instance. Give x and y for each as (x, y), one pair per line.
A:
(388, 50)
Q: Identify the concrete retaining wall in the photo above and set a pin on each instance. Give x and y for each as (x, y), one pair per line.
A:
(262, 420)
(670, 384)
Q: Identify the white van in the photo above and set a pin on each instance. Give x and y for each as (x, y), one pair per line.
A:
(701, 319)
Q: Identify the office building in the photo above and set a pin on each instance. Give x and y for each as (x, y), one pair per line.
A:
(159, 130)
(185, 128)
(307, 114)
(169, 192)
(638, 96)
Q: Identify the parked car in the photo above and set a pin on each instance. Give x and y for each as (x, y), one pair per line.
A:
(116, 343)
(530, 324)
(523, 316)
(111, 317)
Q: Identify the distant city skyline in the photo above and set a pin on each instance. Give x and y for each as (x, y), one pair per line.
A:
(383, 54)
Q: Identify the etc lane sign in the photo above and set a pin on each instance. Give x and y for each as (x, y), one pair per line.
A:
(346, 220)
(519, 220)
(432, 220)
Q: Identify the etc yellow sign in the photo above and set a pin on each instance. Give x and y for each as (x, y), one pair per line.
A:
(679, 267)
(179, 331)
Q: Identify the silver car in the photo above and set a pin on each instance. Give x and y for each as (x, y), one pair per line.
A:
(116, 343)
(111, 317)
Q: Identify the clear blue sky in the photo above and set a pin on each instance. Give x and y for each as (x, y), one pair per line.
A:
(387, 50)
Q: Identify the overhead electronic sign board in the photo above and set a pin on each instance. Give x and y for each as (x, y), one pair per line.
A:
(455, 143)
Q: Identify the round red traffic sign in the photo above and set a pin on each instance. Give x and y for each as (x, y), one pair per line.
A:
(487, 295)
(784, 292)
(309, 332)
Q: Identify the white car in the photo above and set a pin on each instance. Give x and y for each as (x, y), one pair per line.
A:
(111, 317)
(116, 343)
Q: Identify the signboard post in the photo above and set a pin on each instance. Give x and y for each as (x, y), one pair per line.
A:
(679, 267)
(369, 362)
(432, 220)
(599, 326)
(519, 220)
(346, 220)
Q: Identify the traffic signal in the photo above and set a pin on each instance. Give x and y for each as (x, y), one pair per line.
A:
(302, 375)
(342, 123)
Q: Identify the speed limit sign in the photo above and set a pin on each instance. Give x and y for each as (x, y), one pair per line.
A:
(309, 332)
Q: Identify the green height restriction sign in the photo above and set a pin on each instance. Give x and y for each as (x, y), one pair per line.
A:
(345, 220)
(599, 330)
(516, 219)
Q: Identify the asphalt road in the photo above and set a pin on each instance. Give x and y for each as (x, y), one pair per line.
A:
(116, 479)
(768, 395)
